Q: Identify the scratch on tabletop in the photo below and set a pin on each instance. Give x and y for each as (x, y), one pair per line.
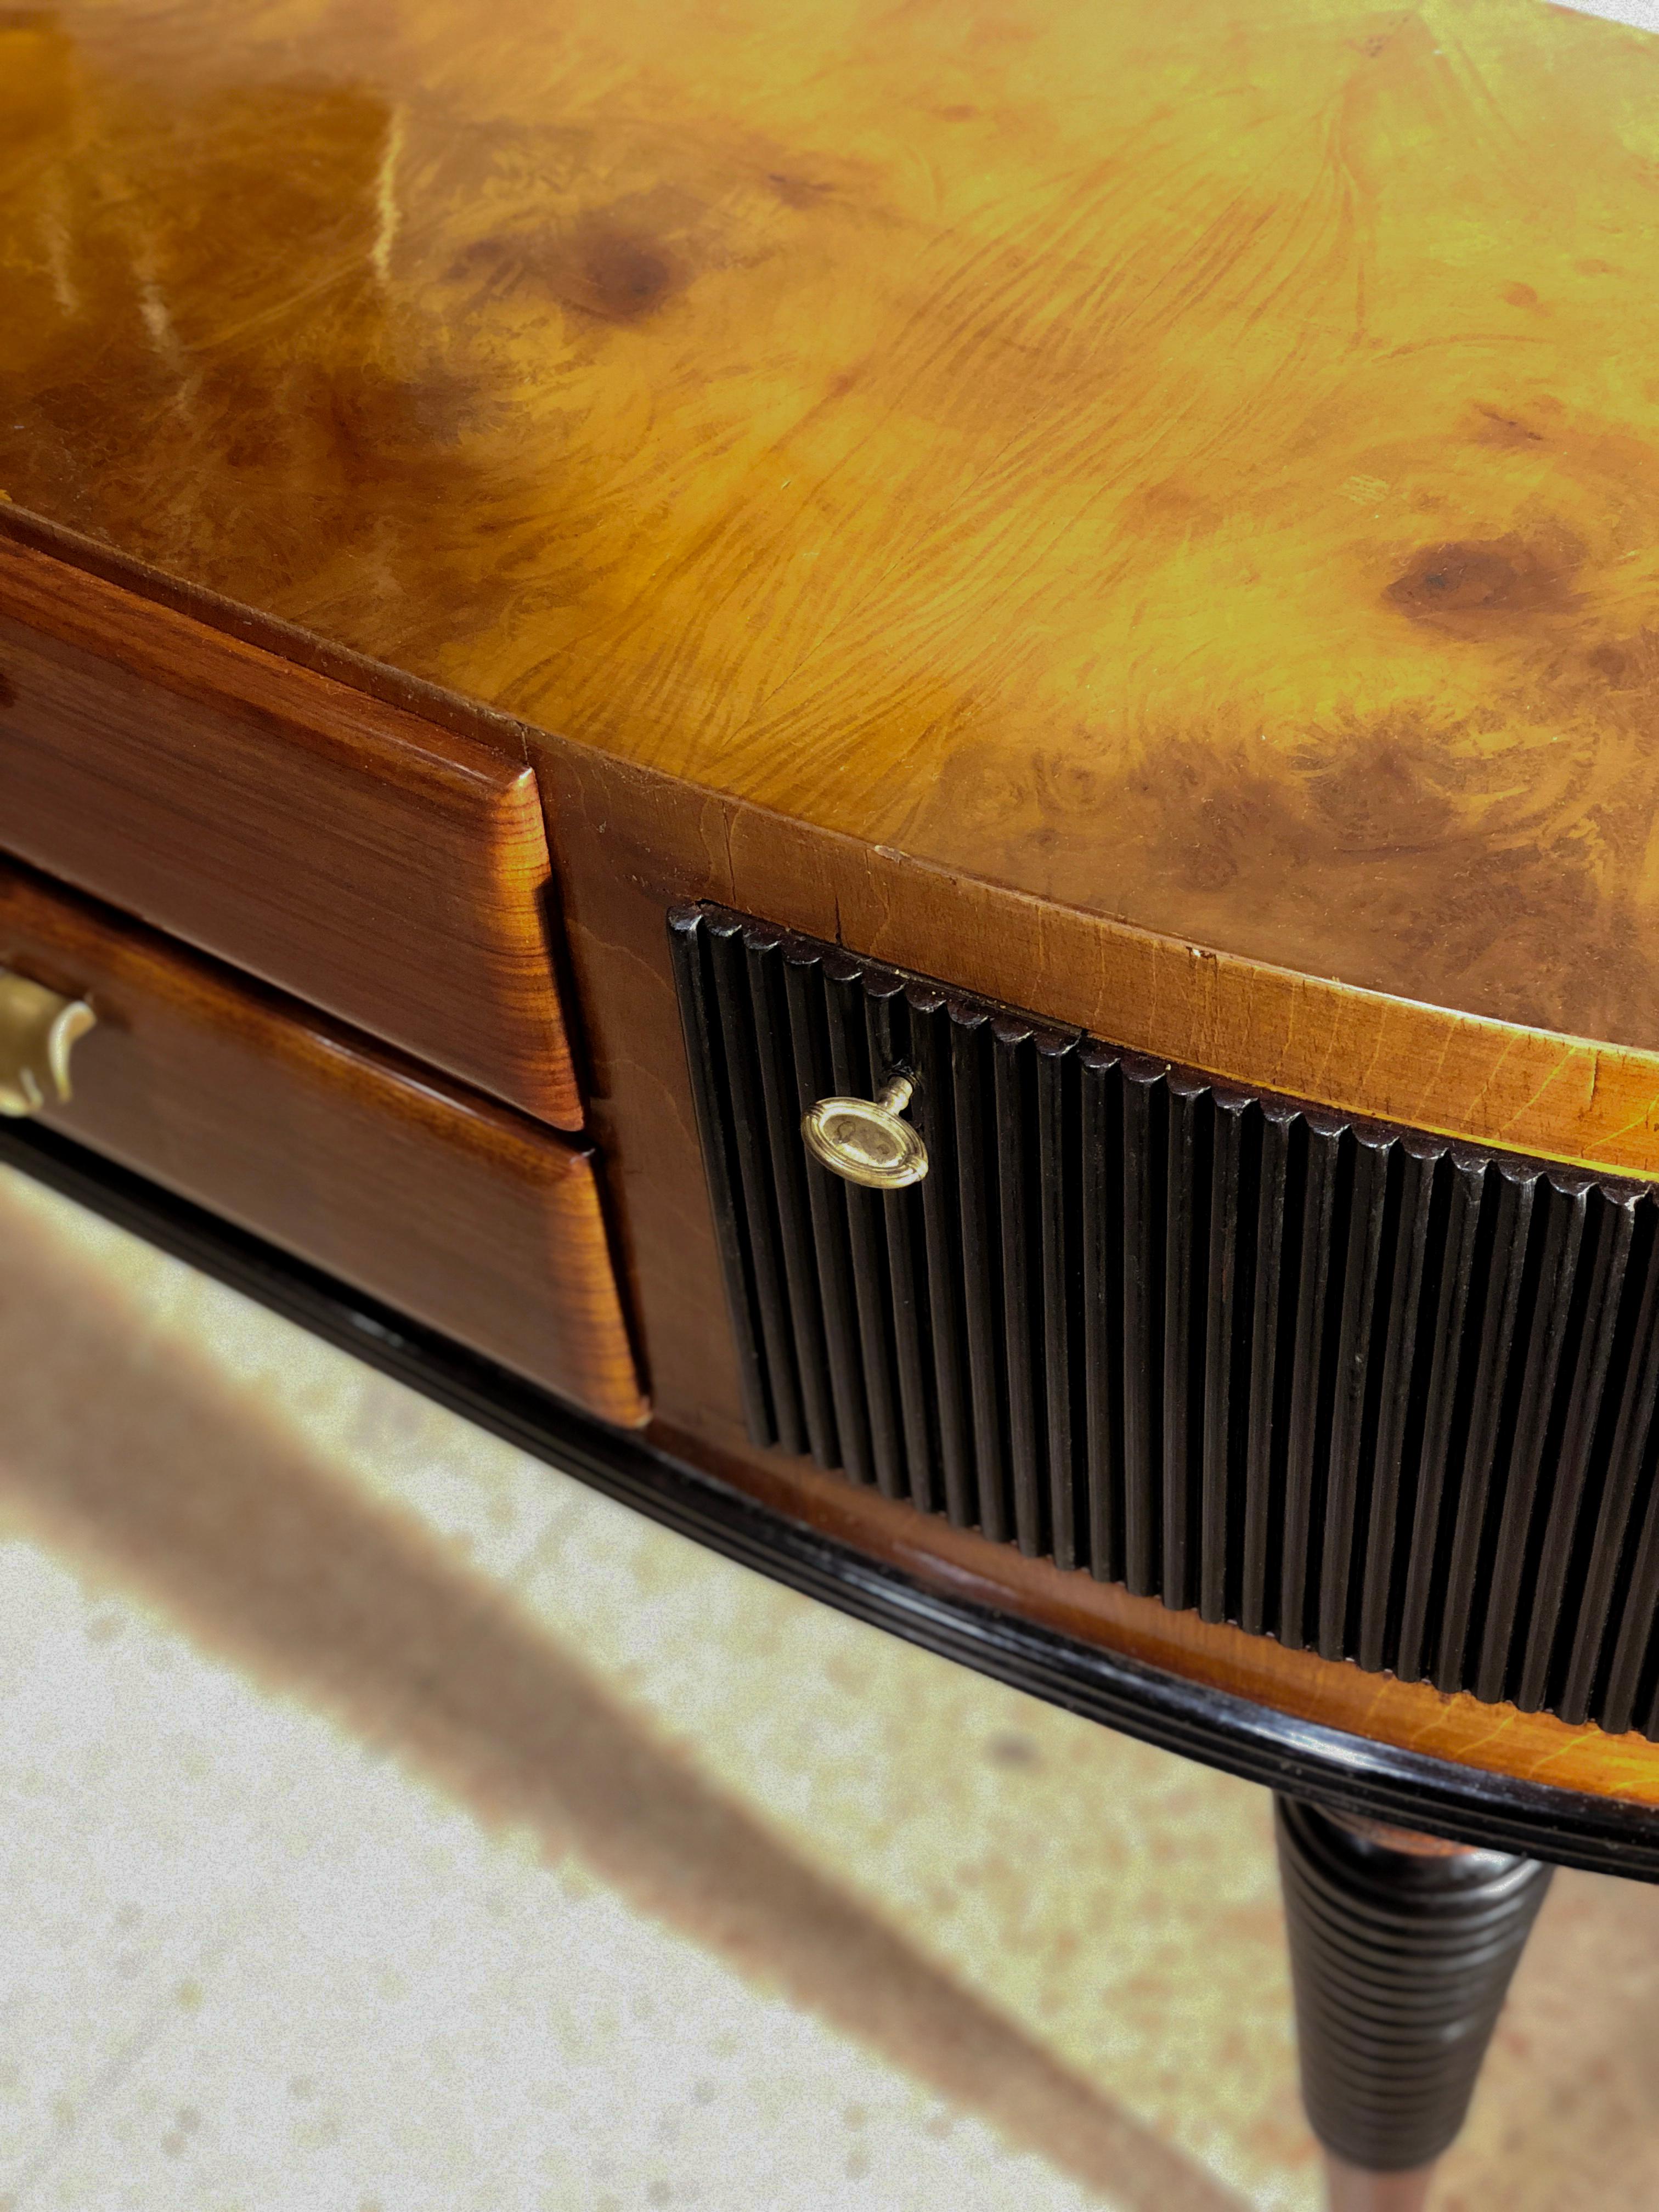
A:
(1208, 1027)
(1322, 1075)
(1362, 1088)
(1449, 1036)
(1492, 1073)
(728, 827)
(1527, 1104)
(1293, 1001)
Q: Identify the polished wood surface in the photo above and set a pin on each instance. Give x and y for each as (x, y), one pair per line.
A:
(1147, 516)
(1195, 465)
(613, 888)
(437, 1201)
(388, 870)
(1494, 1083)
(617, 830)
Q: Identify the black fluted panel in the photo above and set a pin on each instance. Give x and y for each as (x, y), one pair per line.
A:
(1369, 1391)
(1448, 1349)
(1228, 1285)
(1397, 1446)
(1100, 1292)
(1313, 1365)
(1139, 1263)
(1266, 1418)
(768, 1007)
(807, 1062)
(1626, 1470)
(952, 1418)
(1055, 1294)
(1351, 1450)
(1019, 1223)
(1578, 1457)
(754, 1153)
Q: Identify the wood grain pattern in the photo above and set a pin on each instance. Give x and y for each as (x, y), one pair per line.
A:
(1499, 1082)
(1525, 1090)
(383, 868)
(1195, 466)
(1150, 516)
(442, 1203)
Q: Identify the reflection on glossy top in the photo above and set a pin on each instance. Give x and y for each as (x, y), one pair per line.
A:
(1199, 463)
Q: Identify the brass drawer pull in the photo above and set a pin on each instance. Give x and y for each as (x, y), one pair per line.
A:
(38, 1030)
(864, 1140)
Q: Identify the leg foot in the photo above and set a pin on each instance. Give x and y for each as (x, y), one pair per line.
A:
(1401, 1949)
(1351, 2188)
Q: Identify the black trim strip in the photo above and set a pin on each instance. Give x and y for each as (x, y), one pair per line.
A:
(1300, 1758)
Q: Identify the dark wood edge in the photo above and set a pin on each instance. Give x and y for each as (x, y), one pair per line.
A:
(1345, 1773)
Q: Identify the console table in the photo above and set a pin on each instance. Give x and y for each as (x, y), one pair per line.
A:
(891, 774)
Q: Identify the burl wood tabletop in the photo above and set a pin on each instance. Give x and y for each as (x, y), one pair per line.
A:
(1194, 463)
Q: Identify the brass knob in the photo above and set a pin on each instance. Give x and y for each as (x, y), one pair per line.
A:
(864, 1140)
(38, 1030)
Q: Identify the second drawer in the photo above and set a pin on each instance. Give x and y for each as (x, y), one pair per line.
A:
(438, 1202)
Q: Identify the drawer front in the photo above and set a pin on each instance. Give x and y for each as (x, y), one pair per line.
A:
(442, 1203)
(368, 861)
(1369, 1392)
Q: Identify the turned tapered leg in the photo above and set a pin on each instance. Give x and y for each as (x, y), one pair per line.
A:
(1401, 1948)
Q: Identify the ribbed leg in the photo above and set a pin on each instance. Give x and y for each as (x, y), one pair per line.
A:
(1401, 1950)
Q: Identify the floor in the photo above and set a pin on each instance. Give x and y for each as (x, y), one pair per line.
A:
(1640, 14)
(394, 1825)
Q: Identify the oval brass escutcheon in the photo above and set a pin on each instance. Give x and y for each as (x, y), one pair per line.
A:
(37, 1031)
(864, 1140)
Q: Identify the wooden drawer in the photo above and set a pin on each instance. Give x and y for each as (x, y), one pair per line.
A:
(360, 857)
(442, 1203)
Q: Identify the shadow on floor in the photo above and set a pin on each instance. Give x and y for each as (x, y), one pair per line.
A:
(162, 1474)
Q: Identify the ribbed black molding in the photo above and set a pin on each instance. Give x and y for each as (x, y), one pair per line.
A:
(1399, 1964)
(1377, 1394)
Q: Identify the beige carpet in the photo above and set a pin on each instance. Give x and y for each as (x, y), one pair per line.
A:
(393, 1824)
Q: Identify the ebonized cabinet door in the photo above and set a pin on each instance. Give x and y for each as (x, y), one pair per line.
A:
(1375, 1393)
